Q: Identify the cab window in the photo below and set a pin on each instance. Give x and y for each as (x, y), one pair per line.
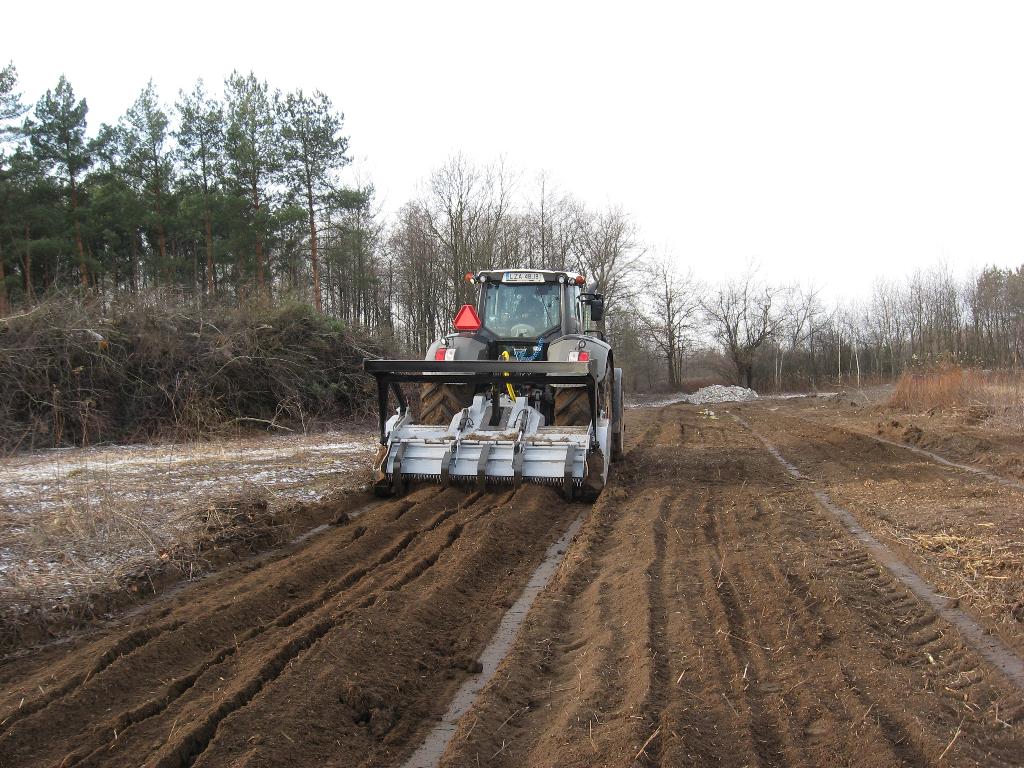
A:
(521, 310)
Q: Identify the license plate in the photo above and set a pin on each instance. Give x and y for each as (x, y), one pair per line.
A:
(523, 277)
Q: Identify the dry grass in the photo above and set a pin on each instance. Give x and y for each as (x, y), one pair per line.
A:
(996, 395)
(74, 565)
(986, 570)
(65, 552)
(81, 526)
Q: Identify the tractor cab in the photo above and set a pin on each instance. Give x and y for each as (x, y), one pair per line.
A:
(534, 305)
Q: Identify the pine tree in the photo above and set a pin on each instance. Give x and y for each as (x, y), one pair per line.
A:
(32, 221)
(314, 151)
(58, 139)
(11, 108)
(201, 153)
(253, 151)
(146, 160)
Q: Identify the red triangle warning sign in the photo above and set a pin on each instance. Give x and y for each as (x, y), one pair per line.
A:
(466, 319)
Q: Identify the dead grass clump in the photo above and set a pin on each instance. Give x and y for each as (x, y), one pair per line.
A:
(975, 394)
(987, 573)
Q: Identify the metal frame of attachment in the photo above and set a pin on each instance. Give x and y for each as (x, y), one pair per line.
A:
(390, 373)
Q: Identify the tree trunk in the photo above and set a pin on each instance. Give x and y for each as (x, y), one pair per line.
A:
(313, 254)
(27, 263)
(260, 280)
(134, 274)
(83, 268)
(839, 358)
(161, 241)
(4, 306)
(209, 251)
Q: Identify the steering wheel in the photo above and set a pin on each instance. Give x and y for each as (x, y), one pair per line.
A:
(521, 329)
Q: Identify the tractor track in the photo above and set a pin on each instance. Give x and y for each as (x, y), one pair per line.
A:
(713, 613)
(431, 571)
(708, 611)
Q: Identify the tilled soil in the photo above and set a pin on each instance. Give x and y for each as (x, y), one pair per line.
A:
(709, 611)
(712, 613)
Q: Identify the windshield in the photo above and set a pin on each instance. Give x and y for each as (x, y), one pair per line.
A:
(512, 310)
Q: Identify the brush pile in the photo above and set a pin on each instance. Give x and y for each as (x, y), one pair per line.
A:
(74, 373)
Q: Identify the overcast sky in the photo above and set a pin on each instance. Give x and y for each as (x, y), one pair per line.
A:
(829, 142)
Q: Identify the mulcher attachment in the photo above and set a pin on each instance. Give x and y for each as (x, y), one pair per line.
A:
(495, 440)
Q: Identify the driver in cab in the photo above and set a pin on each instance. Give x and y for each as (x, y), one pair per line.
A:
(531, 313)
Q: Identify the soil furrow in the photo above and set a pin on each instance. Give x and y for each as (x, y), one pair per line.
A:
(783, 642)
(338, 605)
(229, 625)
(709, 612)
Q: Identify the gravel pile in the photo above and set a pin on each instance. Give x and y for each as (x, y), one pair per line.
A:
(717, 393)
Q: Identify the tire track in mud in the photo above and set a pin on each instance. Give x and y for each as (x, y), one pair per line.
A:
(913, 634)
(759, 643)
(915, 505)
(765, 733)
(1001, 656)
(657, 625)
(923, 452)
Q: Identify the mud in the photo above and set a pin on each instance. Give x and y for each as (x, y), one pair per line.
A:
(712, 613)
(995, 652)
(708, 611)
(430, 752)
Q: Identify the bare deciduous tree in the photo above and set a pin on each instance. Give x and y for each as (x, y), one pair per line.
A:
(670, 303)
(743, 315)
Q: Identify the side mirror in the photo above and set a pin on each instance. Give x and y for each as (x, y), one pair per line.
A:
(596, 302)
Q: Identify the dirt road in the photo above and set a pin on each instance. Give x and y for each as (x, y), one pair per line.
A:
(710, 611)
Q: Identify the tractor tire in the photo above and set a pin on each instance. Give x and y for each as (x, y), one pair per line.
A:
(618, 426)
(572, 407)
(440, 402)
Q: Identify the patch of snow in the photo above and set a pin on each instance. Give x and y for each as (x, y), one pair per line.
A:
(658, 403)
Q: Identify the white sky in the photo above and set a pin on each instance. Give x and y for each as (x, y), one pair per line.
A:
(830, 142)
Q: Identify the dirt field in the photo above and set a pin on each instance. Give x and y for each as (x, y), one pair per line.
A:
(711, 610)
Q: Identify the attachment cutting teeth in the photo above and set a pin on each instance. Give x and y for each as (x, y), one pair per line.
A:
(468, 451)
